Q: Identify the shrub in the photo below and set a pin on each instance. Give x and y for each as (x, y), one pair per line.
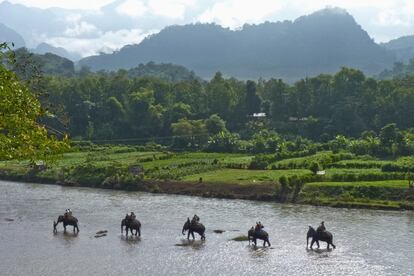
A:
(314, 167)
(261, 162)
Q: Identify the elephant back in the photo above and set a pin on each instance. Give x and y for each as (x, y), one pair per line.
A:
(325, 236)
(198, 227)
(260, 234)
(136, 223)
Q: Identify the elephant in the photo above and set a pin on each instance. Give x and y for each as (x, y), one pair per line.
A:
(192, 227)
(317, 236)
(254, 234)
(66, 220)
(131, 223)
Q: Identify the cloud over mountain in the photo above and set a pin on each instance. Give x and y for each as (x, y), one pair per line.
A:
(93, 26)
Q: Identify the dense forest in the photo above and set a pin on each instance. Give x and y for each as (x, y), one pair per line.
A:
(221, 114)
(399, 70)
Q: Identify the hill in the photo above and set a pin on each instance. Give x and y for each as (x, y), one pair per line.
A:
(402, 47)
(44, 48)
(318, 43)
(49, 64)
(11, 36)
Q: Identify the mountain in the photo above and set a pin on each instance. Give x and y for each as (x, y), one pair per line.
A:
(9, 35)
(48, 64)
(402, 47)
(321, 42)
(30, 22)
(44, 48)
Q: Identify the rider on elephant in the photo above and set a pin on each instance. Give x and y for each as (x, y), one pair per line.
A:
(259, 226)
(68, 213)
(133, 216)
(195, 220)
(321, 227)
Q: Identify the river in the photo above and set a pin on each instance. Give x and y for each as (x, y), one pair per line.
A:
(368, 242)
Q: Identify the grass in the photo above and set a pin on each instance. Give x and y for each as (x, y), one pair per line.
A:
(332, 171)
(383, 184)
(244, 176)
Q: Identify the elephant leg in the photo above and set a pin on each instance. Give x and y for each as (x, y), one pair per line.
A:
(255, 242)
(192, 234)
(74, 228)
(139, 232)
(264, 243)
(188, 235)
(317, 243)
(136, 232)
(313, 241)
(328, 245)
(268, 242)
(64, 227)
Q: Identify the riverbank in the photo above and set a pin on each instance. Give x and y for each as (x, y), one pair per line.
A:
(221, 175)
(317, 195)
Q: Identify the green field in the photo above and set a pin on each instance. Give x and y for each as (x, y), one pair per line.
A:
(401, 184)
(348, 180)
(244, 176)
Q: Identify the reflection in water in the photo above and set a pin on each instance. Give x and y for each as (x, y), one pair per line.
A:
(68, 239)
(131, 240)
(366, 244)
(194, 244)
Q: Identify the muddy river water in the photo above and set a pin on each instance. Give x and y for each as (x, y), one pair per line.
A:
(368, 242)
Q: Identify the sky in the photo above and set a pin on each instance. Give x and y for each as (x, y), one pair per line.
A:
(87, 32)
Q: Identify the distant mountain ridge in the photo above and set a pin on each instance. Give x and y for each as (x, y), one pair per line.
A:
(402, 47)
(44, 48)
(11, 36)
(321, 42)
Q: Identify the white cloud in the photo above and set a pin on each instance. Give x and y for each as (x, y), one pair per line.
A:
(68, 4)
(233, 13)
(170, 8)
(106, 42)
(132, 8)
(81, 29)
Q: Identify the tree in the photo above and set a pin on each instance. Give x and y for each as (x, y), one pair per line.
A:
(189, 133)
(252, 100)
(388, 134)
(215, 124)
(21, 136)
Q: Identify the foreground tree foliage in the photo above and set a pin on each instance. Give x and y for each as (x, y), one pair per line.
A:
(21, 135)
